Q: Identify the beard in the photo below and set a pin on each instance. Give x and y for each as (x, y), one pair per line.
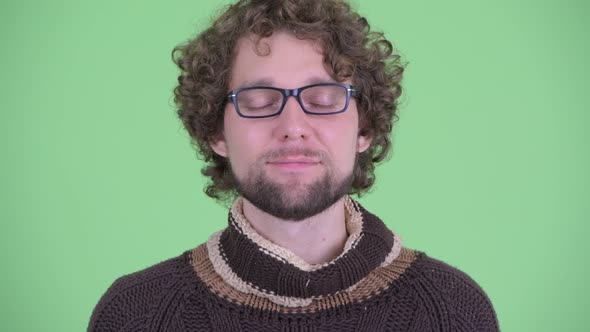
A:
(293, 200)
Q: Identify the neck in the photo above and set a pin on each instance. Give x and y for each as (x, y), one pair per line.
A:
(316, 240)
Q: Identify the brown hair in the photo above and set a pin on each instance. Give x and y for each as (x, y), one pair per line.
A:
(351, 50)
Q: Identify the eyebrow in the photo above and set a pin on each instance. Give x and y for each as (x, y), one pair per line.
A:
(270, 82)
(259, 82)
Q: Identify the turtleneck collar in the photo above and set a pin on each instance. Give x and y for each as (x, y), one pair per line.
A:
(254, 265)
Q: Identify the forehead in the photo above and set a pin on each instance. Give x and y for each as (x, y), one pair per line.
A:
(280, 60)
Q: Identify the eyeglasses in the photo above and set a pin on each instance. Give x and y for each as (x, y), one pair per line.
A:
(319, 99)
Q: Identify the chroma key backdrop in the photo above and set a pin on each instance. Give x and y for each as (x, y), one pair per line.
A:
(490, 170)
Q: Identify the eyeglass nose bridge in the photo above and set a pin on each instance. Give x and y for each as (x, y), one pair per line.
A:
(294, 93)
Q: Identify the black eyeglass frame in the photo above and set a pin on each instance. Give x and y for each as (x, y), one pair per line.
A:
(350, 92)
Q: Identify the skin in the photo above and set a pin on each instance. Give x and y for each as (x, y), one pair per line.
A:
(252, 144)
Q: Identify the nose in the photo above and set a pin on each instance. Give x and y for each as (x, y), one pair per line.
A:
(292, 123)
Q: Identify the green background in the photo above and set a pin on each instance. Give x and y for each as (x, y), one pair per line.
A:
(490, 170)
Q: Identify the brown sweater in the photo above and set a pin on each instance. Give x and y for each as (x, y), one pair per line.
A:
(239, 281)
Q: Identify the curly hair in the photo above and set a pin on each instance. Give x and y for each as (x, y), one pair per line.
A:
(351, 51)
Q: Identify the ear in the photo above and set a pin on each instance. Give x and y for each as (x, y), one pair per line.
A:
(363, 142)
(219, 146)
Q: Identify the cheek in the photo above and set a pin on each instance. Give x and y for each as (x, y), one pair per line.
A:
(244, 143)
(342, 143)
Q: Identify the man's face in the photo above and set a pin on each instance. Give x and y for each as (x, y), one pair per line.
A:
(293, 165)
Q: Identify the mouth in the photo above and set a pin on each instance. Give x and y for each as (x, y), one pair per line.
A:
(294, 162)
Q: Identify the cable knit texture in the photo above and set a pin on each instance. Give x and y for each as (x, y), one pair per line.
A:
(239, 281)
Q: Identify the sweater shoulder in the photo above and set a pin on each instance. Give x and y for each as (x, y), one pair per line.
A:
(464, 299)
(131, 299)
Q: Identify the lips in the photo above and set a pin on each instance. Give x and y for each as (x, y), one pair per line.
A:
(293, 162)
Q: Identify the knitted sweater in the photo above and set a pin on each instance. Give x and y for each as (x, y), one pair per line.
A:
(239, 281)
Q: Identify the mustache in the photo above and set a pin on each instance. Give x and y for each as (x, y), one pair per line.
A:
(286, 152)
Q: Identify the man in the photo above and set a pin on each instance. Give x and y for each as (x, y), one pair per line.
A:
(291, 102)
